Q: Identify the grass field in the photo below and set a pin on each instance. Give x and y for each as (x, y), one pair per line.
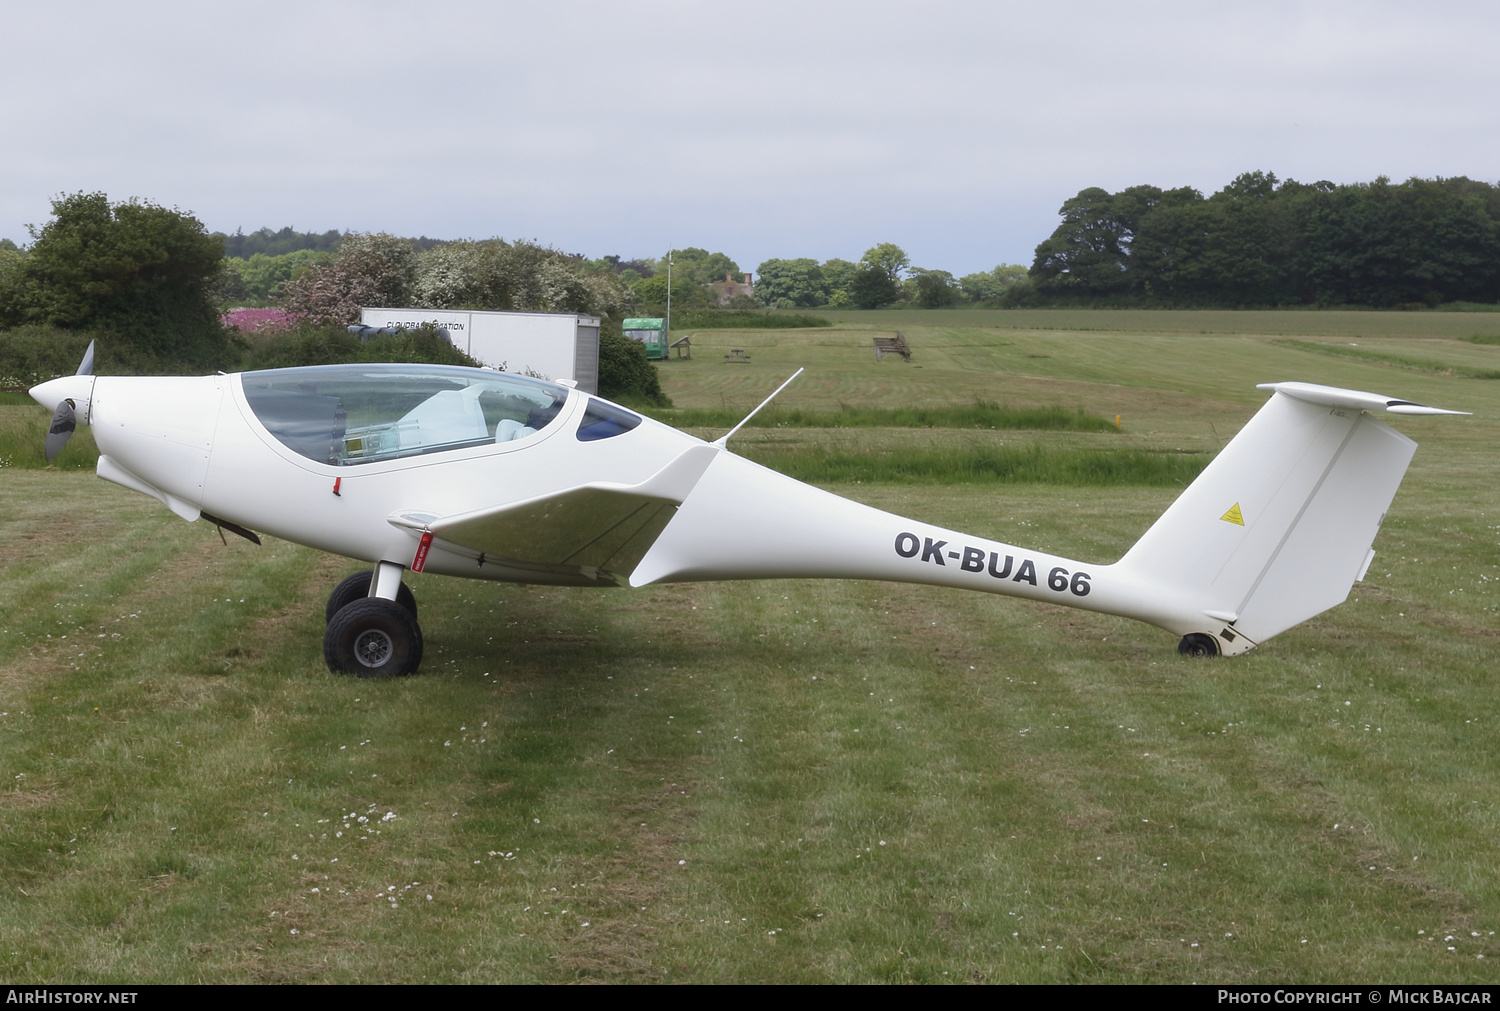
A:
(781, 781)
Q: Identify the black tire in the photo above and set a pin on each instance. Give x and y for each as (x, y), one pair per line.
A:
(1198, 644)
(357, 586)
(373, 638)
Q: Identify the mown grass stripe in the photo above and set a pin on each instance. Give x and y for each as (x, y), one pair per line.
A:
(1400, 361)
(1052, 465)
(979, 414)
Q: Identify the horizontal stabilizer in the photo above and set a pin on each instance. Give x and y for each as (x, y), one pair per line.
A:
(1332, 396)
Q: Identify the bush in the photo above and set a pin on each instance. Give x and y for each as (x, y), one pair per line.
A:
(742, 319)
(36, 353)
(624, 372)
(311, 344)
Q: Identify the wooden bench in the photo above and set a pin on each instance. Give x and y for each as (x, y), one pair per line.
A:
(684, 346)
(737, 355)
(892, 346)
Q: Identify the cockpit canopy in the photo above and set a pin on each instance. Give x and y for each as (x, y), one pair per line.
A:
(345, 415)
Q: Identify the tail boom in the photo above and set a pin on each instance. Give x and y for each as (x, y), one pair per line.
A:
(744, 521)
(1275, 530)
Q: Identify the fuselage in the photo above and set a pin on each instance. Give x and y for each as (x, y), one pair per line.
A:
(365, 461)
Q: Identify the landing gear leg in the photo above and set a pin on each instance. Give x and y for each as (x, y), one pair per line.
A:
(387, 580)
(357, 587)
(373, 635)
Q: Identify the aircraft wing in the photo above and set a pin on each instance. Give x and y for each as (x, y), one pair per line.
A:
(601, 525)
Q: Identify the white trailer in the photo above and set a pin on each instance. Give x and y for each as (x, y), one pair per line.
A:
(555, 345)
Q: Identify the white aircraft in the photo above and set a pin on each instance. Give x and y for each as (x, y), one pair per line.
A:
(487, 475)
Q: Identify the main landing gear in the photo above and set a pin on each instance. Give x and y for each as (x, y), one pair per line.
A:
(372, 625)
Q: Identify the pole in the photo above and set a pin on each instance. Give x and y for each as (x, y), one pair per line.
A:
(668, 334)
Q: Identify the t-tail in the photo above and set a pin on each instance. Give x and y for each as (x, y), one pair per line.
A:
(1275, 530)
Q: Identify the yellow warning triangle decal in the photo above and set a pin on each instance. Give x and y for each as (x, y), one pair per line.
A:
(1234, 515)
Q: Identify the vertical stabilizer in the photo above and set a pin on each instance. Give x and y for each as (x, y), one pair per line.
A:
(1279, 527)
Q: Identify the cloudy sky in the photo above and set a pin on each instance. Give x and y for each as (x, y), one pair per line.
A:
(767, 129)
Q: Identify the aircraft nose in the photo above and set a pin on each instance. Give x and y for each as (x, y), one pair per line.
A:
(55, 391)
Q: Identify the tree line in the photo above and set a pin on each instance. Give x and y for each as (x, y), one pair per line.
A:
(883, 276)
(1261, 241)
(152, 283)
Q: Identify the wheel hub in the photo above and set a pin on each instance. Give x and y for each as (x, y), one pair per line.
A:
(373, 648)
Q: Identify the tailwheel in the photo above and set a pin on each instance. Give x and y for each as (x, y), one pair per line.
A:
(373, 637)
(357, 587)
(1198, 644)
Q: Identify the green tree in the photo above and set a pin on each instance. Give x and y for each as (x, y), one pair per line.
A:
(1262, 241)
(10, 267)
(652, 291)
(264, 275)
(993, 283)
(699, 266)
(1383, 244)
(935, 289)
(838, 275)
(787, 284)
(1088, 253)
(138, 273)
(269, 243)
(888, 258)
(871, 287)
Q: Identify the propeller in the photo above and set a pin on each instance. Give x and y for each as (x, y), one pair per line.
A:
(65, 417)
(64, 420)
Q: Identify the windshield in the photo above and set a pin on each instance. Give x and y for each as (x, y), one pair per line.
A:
(351, 414)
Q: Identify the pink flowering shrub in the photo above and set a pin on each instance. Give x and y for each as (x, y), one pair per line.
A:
(259, 321)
